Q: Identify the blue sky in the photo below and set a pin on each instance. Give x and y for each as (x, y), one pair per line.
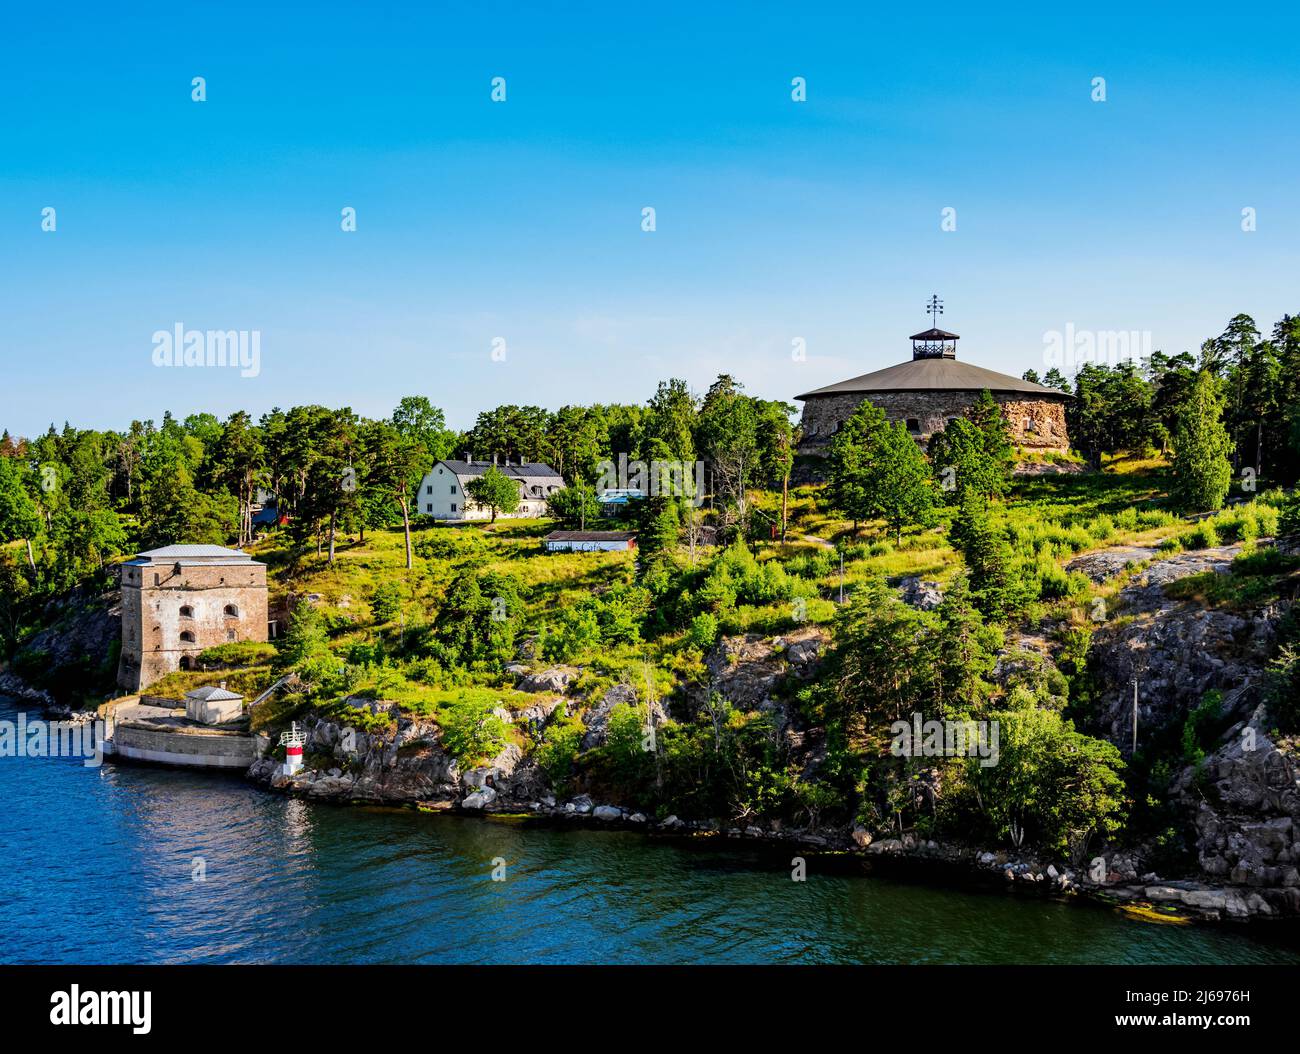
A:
(521, 220)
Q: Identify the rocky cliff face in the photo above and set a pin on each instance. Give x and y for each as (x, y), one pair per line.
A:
(1176, 649)
(1242, 803)
(72, 662)
(410, 765)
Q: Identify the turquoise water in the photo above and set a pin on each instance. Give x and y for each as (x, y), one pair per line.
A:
(100, 867)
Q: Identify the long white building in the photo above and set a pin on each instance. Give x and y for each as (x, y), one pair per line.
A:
(442, 491)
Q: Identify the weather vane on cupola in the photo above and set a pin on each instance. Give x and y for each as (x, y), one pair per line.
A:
(934, 343)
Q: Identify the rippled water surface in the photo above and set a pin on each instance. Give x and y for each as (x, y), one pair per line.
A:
(98, 867)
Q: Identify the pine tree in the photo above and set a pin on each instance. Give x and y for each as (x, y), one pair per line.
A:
(1202, 473)
(849, 482)
(988, 558)
(900, 478)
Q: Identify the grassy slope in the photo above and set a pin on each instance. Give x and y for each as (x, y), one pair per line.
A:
(1050, 519)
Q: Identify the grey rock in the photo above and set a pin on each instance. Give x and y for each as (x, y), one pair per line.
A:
(479, 799)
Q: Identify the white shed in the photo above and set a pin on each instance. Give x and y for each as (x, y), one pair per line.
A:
(212, 705)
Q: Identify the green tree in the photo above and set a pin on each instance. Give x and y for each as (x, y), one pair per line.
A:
(1051, 785)
(1202, 474)
(900, 478)
(20, 520)
(574, 507)
(849, 479)
(987, 553)
(394, 463)
(776, 445)
(728, 436)
(670, 418)
(415, 418)
(494, 490)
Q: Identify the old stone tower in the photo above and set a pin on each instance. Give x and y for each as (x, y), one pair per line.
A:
(181, 599)
(933, 389)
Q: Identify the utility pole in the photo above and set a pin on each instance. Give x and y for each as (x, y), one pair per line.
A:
(1135, 714)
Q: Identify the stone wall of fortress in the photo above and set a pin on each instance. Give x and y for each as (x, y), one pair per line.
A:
(168, 619)
(1038, 425)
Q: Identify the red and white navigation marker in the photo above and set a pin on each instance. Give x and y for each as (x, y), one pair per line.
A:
(293, 742)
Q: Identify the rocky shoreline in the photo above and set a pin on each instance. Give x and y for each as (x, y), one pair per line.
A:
(410, 769)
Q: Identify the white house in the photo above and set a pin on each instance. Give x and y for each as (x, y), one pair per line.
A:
(442, 491)
(212, 705)
(590, 541)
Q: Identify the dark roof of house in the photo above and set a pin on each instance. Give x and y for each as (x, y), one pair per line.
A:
(526, 471)
(929, 375)
(590, 536)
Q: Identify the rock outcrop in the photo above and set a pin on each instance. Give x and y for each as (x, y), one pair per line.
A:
(1176, 649)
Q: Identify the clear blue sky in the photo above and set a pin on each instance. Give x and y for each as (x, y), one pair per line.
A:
(522, 220)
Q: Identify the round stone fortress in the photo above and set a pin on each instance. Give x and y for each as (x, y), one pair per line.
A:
(933, 389)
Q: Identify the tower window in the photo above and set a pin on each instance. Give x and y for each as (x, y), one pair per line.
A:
(913, 425)
(231, 611)
(187, 637)
(187, 611)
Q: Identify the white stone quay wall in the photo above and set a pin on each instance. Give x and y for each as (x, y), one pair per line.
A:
(184, 748)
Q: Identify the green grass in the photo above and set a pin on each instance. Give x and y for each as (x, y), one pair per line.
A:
(1255, 577)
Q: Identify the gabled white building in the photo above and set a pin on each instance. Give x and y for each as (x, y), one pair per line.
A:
(442, 491)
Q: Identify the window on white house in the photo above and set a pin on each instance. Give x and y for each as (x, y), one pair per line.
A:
(429, 489)
(453, 507)
(453, 488)
(428, 508)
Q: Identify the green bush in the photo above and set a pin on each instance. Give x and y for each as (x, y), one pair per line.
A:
(238, 653)
(558, 751)
(703, 633)
(386, 601)
(1203, 536)
(471, 732)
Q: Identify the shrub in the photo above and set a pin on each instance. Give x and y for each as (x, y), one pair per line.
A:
(703, 633)
(238, 653)
(386, 601)
(471, 731)
(1203, 536)
(559, 748)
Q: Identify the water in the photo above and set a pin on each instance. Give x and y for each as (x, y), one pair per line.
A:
(99, 867)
